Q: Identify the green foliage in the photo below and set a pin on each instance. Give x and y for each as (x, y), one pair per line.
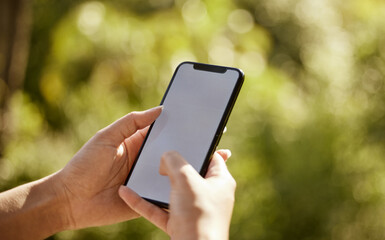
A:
(307, 132)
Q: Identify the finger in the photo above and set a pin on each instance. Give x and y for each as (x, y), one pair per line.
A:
(217, 166)
(179, 171)
(134, 143)
(152, 213)
(225, 153)
(128, 125)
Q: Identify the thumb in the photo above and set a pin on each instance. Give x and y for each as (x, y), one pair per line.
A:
(180, 172)
(128, 125)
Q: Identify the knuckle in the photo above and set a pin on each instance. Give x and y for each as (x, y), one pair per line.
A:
(231, 184)
(133, 113)
(100, 134)
(184, 179)
(183, 174)
(132, 116)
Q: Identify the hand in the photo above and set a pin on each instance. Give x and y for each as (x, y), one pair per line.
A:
(200, 208)
(90, 181)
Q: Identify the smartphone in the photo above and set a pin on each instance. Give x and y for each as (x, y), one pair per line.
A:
(196, 107)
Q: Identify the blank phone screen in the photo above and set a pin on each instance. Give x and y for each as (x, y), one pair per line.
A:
(193, 109)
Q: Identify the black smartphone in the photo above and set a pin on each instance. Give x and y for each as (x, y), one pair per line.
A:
(196, 106)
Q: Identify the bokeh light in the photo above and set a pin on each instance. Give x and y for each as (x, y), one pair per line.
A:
(307, 132)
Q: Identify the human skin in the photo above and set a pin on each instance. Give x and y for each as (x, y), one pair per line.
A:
(200, 208)
(85, 192)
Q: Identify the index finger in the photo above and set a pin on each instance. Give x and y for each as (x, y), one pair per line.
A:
(152, 213)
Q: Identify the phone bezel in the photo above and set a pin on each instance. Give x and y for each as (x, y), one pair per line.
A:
(221, 125)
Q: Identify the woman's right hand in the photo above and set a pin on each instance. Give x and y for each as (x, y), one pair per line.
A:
(200, 208)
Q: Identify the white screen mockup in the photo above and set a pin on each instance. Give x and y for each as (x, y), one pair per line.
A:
(193, 109)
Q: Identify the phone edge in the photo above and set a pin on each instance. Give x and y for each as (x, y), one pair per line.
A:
(217, 135)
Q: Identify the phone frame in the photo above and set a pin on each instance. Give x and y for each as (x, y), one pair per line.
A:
(221, 124)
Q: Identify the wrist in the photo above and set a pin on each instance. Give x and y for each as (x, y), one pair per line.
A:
(59, 199)
(213, 225)
(34, 210)
(212, 232)
(49, 203)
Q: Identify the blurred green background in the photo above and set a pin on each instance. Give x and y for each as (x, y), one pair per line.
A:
(307, 132)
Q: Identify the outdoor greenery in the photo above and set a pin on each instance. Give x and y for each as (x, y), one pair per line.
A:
(307, 132)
